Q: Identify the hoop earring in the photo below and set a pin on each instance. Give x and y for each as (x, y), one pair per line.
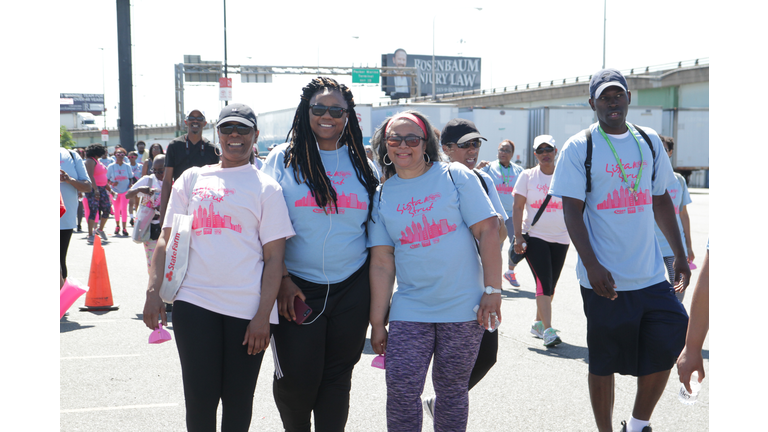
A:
(385, 159)
(428, 159)
(217, 151)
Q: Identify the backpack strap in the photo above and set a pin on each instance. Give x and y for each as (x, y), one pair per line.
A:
(482, 182)
(541, 210)
(653, 152)
(588, 160)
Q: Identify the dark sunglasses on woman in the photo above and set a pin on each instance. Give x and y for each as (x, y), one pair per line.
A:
(410, 140)
(542, 150)
(319, 110)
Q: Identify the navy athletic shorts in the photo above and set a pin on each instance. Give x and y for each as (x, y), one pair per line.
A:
(640, 333)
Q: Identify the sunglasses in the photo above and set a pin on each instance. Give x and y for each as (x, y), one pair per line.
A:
(158, 171)
(319, 110)
(467, 144)
(241, 129)
(131, 157)
(193, 118)
(410, 140)
(542, 150)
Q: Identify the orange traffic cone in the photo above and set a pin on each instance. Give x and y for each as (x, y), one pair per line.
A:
(99, 296)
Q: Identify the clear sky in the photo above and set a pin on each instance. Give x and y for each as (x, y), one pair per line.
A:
(518, 41)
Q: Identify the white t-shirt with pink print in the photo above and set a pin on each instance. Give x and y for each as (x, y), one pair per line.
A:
(236, 211)
(534, 185)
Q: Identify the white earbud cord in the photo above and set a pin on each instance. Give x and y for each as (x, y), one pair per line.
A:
(330, 226)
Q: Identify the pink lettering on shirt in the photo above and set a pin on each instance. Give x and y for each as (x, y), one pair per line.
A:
(413, 207)
(672, 193)
(212, 194)
(616, 169)
(338, 177)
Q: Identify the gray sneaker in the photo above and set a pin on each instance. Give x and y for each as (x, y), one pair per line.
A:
(102, 235)
(537, 329)
(90, 239)
(551, 338)
(429, 407)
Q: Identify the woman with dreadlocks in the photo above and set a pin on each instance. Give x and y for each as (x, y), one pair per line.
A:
(328, 183)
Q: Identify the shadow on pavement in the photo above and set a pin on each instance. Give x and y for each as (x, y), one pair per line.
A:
(67, 326)
(563, 350)
(513, 293)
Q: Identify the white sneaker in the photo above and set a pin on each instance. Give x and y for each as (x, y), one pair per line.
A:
(551, 338)
(537, 329)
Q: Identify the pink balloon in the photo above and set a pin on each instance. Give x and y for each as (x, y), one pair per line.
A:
(71, 291)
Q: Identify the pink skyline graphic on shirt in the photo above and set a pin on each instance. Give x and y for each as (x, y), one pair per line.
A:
(209, 221)
(624, 198)
(505, 189)
(552, 205)
(350, 201)
(424, 234)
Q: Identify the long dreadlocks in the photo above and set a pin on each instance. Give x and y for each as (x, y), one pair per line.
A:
(304, 157)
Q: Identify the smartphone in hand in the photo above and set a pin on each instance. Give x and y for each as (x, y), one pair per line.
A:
(301, 310)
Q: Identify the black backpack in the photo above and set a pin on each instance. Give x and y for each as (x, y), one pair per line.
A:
(588, 160)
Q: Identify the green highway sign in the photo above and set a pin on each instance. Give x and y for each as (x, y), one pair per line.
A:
(365, 76)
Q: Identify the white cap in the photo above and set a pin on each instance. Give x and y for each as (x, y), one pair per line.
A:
(543, 139)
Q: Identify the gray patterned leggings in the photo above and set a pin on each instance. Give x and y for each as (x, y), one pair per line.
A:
(410, 348)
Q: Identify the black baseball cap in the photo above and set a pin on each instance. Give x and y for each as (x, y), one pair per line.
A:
(239, 113)
(458, 131)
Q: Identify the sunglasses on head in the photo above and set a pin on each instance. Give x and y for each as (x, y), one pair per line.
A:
(410, 140)
(193, 118)
(471, 143)
(319, 110)
(542, 150)
(241, 129)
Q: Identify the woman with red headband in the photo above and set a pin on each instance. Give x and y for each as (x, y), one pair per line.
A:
(427, 209)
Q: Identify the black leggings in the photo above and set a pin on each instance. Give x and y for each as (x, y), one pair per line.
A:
(314, 362)
(215, 365)
(65, 237)
(546, 261)
(486, 357)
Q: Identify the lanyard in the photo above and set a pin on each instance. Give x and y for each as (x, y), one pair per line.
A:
(505, 178)
(618, 161)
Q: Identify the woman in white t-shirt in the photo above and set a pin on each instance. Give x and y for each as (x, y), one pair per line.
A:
(426, 218)
(544, 243)
(226, 302)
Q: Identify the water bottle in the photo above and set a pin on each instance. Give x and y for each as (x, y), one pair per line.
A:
(493, 319)
(690, 398)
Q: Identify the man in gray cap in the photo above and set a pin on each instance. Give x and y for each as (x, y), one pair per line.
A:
(635, 324)
(188, 150)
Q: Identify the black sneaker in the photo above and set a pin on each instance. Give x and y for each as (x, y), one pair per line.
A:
(131, 220)
(125, 233)
(117, 230)
(624, 427)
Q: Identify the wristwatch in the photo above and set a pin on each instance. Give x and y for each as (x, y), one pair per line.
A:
(491, 290)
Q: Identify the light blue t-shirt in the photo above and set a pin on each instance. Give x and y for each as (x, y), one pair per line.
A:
(620, 228)
(427, 219)
(325, 245)
(494, 196)
(136, 170)
(73, 165)
(504, 180)
(122, 174)
(678, 191)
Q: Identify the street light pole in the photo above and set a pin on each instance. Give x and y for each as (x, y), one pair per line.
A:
(103, 91)
(225, 44)
(434, 95)
(604, 20)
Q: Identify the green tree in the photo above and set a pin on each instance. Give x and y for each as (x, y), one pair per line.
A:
(66, 138)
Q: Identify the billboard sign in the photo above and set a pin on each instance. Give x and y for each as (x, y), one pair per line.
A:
(81, 102)
(452, 74)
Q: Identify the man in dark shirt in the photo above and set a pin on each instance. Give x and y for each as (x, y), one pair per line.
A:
(184, 152)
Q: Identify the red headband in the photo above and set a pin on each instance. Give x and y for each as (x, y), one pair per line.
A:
(410, 117)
